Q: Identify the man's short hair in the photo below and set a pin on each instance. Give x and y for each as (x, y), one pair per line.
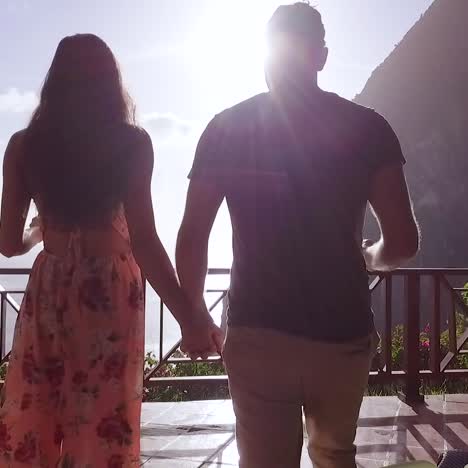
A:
(301, 19)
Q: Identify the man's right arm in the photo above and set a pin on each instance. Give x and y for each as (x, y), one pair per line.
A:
(392, 207)
(204, 197)
(203, 201)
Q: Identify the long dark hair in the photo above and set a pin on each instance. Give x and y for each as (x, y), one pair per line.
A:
(76, 158)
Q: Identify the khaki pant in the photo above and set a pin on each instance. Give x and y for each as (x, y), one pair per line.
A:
(274, 378)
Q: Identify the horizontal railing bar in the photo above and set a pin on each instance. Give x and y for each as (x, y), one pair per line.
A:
(399, 271)
(219, 271)
(454, 373)
(14, 271)
(214, 380)
(425, 375)
(426, 271)
(190, 361)
(201, 378)
(422, 372)
(227, 271)
(374, 377)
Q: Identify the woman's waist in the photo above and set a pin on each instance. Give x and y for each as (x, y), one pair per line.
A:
(88, 243)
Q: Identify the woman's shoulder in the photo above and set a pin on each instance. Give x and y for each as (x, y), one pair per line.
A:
(132, 138)
(14, 150)
(17, 138)
(134, 133)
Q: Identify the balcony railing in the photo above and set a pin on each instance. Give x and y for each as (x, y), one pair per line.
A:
(428, 304)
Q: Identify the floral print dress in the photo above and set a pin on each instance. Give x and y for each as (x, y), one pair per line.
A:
(72, 396)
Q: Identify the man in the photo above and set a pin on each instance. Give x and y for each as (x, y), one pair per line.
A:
(297, 166)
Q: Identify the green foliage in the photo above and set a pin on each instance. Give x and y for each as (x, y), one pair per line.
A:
(150, 361)
(397, 347)
(3, 370)
(465, 294)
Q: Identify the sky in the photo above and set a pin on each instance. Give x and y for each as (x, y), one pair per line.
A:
(183, 61)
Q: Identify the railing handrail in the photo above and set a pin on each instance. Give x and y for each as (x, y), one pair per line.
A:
(14, 271)
(227, 271)
(398, 271)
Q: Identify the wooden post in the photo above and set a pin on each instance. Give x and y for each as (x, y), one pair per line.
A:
(387, 338)
(435, 329)
(412, 332)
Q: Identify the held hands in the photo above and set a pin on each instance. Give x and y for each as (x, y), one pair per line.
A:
(202, 338)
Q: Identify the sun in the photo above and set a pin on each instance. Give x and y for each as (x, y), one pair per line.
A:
(228, 44)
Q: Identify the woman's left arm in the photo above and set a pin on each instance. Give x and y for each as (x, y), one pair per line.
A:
(14, 239)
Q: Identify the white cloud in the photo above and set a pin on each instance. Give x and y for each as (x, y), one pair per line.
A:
(166, 126)
(14, 100)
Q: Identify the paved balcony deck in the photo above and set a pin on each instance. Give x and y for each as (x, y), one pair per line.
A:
(201, 434)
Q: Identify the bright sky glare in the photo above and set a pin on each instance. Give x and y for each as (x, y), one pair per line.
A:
(184, 61)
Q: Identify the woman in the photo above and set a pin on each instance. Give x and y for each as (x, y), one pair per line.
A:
(73, 392)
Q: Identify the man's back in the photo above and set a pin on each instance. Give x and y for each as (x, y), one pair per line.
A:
(297, 179)
(297, 167)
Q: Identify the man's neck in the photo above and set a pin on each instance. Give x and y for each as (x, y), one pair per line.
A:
(296, 92)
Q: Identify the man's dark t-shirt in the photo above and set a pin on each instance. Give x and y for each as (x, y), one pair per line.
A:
(296, 181)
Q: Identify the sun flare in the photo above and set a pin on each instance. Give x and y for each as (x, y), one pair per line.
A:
(229, 43)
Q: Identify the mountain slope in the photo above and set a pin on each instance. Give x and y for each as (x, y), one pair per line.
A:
(422, 89)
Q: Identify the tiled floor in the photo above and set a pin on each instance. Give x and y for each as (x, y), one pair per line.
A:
(201, 434)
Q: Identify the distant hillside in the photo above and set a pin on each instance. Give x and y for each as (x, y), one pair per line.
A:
(422, 89)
